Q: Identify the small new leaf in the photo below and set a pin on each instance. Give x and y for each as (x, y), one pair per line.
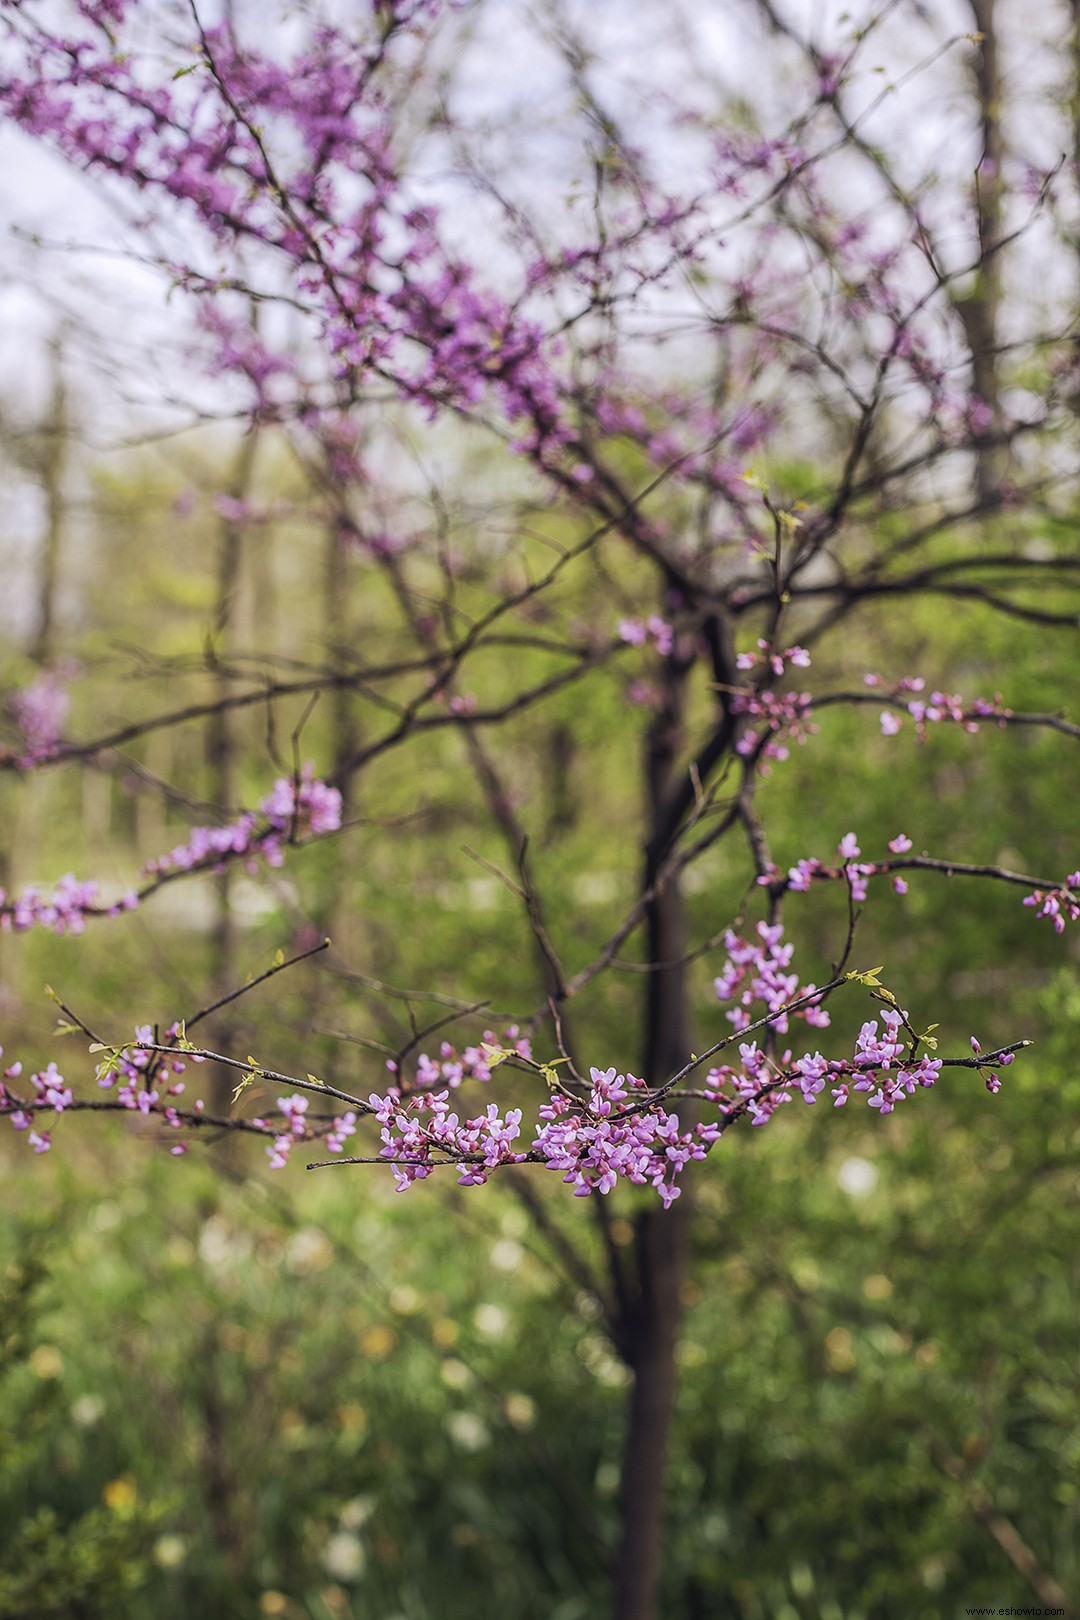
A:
(242, 1087)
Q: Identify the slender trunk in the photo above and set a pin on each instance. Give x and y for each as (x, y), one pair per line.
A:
(337, 639)
(651, 1325)
(979, 310)
(649, 1322)
(220, 1485)
(338, 917)
(1074, 93)
(51, 469)
(47, 461)
(221, 760)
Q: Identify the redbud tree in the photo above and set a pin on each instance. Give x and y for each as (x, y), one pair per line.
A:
(607, 375)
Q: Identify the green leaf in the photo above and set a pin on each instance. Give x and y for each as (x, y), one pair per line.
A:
(239, 1090)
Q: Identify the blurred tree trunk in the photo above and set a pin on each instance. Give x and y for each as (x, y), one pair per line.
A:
(51, 469)
(1073, 95)
(221, 753)
(648, 1323)
(44, 452)
(979, 310)
(336, 636)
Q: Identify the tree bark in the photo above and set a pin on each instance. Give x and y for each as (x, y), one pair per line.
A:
(651, 1327)
(980, 309)
(221, 760)
(647, 1328)
(51, 468)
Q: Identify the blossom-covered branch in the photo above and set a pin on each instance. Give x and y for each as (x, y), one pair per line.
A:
(295, 810)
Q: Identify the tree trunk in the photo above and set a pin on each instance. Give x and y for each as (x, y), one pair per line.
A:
(221, 759)
(647, 1329)
(52, 466)
(1074, 91)
(651, 1324)
(979, 310)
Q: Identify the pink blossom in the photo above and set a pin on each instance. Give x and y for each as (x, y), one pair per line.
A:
(40, 711)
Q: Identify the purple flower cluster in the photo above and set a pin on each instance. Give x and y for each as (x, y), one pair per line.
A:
(451, 1067)
(139, 1071)
(755, 1087)
(51, 1092)
(293, 810)
(302, 808)
(63, 911)
(779, 717)
(936, 708)
(143, 1079)
(654, 630)
(877, 1067)
(851, 870)
(40, 712)
(758, 971)
(613, 1133)
(786, 715)
(617, 1135)
(295, 1110)
(777, 662)
(421, 1132)
(1061, 905)
(782, 716)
